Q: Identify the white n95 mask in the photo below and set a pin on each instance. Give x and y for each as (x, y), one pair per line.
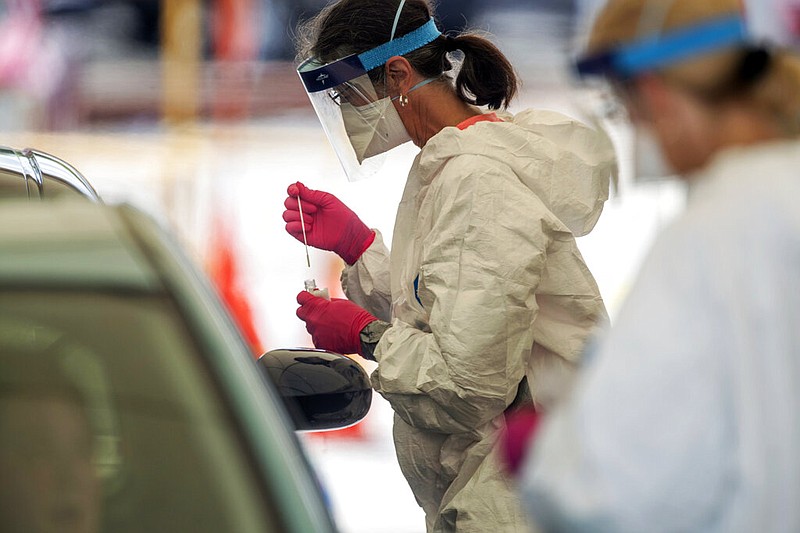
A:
(374, 128)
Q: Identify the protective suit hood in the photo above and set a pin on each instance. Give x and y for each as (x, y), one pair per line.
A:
(570, 172)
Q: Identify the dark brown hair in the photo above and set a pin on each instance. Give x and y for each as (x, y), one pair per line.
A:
(345, 27)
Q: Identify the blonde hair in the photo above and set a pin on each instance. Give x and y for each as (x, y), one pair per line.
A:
(776, 93)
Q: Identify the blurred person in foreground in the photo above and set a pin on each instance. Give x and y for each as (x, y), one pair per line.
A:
(485, 284)
(687, 416)
(48, 481)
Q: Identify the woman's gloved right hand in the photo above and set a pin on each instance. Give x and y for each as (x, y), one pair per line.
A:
(329, 224)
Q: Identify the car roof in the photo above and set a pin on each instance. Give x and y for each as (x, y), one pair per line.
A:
(71, 242)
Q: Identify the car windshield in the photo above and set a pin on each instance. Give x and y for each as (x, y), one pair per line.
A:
(110, 421)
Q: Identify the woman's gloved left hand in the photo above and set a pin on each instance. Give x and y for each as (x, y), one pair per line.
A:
(517, 437)
(334, 325)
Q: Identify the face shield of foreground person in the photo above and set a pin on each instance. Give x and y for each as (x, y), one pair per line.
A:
(686, 417)
(487, 285)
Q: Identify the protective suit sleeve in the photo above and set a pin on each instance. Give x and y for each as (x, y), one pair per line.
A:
(645, 438)
(367, 282)
(481, 262)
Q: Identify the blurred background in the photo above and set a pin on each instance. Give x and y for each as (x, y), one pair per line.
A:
(192, 110)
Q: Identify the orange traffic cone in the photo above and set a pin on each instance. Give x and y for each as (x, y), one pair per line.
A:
(223, 268)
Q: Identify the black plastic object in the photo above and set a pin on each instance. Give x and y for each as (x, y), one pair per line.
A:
(321, 390)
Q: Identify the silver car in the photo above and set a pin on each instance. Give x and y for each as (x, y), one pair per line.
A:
(129, 401)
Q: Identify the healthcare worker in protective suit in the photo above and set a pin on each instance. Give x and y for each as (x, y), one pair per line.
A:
(687, 417)
(484, 284)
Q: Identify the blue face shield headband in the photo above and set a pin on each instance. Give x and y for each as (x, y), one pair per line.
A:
(318, 78)
(660, 51)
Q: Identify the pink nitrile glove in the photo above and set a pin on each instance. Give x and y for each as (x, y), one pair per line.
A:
(517, 437)
(329, 224)
(335, 324)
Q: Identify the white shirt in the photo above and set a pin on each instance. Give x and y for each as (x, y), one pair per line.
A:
(688, 416)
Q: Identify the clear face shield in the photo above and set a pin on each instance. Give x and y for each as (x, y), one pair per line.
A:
(357, 115)
(608, 75)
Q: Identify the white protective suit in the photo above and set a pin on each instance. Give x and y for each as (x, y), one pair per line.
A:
(688, 417)
(485, 229)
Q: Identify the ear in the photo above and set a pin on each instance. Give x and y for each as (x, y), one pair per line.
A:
(654, 97)
(399, 75)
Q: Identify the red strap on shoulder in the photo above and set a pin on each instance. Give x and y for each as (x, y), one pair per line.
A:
(488, 117)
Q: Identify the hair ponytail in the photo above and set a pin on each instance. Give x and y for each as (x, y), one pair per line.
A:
(486, 77)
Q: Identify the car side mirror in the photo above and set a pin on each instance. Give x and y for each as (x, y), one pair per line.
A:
(321, 390)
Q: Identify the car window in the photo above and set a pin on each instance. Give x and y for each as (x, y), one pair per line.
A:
(12, 185)
(54, 188)
(114, 381)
